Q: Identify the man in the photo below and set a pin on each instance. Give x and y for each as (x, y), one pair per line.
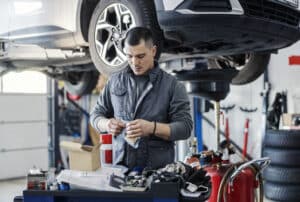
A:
(142, 101)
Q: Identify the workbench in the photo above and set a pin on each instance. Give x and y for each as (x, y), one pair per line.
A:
(166, 192)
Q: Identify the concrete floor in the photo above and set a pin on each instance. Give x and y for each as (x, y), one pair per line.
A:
(11, 188)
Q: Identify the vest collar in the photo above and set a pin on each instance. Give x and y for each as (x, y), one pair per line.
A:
(153, 73)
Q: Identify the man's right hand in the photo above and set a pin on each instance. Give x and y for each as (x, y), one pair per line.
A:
(115, 126)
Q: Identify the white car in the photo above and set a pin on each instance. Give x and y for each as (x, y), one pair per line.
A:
(70, 39)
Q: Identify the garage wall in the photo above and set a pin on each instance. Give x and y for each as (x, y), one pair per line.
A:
(286, 77)
(282, 77)
(23, 123)
(23, 134)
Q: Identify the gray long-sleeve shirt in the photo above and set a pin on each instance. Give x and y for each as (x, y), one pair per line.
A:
(163, 100)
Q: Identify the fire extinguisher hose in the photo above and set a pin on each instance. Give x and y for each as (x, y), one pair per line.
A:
(226, 178)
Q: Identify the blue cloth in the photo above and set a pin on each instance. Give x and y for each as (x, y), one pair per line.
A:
(119, 147)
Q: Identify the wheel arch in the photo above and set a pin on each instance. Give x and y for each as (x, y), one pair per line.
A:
(86, 10)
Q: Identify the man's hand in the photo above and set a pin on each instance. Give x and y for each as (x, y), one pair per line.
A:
(115, 126)
(139, 128)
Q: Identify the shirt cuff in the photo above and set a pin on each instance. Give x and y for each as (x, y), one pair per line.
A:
(102, 124)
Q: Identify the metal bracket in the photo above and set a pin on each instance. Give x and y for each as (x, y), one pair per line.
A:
(3, 48)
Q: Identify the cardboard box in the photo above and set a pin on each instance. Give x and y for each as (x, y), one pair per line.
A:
(94, 135)
(290, 121)
(82, 157)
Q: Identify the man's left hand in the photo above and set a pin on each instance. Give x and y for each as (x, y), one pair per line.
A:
(139, 128)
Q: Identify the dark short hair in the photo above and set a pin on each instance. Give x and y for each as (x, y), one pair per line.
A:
(136, 34)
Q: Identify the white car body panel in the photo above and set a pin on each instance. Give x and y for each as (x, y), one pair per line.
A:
(4, 18)
(171, 4)
(34, 18)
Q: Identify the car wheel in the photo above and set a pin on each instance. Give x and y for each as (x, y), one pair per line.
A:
(250, 66)
(80, 83)
(110, 22)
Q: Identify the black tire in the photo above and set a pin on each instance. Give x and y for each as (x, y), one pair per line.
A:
(289, 139)
(282, 175)
(83, 84)
(254, 67)
(144, 15)
(285, 158)
(279, 192)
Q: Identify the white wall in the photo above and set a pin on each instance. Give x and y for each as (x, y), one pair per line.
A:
(286, 77)
(282, 77)
(23, 124)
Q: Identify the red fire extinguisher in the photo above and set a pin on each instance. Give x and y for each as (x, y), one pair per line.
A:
(236, 182)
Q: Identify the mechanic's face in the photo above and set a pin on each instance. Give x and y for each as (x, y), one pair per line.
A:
(140, 57)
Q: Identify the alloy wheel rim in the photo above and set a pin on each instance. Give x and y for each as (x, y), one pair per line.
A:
(111, 28)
